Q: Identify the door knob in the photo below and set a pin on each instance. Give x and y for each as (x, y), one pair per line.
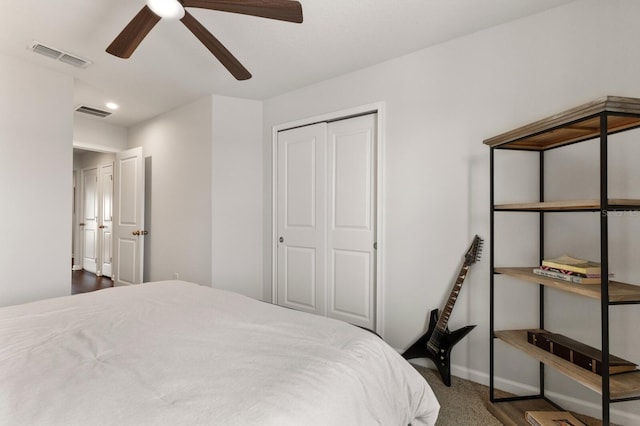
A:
(281, 239)
(101, 226)
(135, 233)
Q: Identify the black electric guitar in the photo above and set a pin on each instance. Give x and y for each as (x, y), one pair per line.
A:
(437, 343)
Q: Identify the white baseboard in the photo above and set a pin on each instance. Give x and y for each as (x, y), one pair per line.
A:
(76, 268)
(565, 401)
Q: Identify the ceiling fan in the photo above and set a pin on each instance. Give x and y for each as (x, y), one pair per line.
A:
(132, 35)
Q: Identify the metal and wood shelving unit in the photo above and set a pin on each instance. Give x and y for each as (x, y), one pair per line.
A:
(595, 120)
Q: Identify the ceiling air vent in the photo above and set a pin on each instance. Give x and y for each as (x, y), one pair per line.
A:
(59, 55)
(93, 111)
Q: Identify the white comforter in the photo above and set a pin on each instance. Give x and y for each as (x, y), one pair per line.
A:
(175, 353)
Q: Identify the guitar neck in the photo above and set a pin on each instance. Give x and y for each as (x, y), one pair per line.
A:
(443, 320)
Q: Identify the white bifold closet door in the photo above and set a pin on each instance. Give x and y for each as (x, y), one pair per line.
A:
(326, 219)
(96, 215)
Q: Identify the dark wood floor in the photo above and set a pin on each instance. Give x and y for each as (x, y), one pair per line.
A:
(83, 282)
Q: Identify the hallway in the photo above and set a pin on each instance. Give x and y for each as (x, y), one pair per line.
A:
(83, 282)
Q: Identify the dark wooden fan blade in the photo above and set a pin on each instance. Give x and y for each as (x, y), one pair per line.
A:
(132, 35)
(283, 10)
(219, 51)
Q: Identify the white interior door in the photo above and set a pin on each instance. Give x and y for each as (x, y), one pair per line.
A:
(301, 218)
(89, 219)
(105, 229)
(128, 209)
(351, 233)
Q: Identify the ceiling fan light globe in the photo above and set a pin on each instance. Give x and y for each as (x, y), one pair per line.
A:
(167, 9)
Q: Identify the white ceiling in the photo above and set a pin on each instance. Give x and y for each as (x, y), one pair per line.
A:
(171, 67)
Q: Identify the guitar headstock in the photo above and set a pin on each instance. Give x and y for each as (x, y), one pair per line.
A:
(475, 250)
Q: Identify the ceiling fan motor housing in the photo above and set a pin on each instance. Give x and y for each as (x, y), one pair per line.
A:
(167, 9)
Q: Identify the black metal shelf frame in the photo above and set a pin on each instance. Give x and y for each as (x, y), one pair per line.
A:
(604, 256)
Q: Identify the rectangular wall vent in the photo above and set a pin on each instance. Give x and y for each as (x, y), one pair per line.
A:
(92, 111)
(59, 55)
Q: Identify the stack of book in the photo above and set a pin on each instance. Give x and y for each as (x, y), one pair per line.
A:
(551, 418)
(571, 269)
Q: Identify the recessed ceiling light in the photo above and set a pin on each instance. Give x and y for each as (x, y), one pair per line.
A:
(112, 105)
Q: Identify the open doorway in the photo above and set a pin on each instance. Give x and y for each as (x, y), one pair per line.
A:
(109, 235)
(92, 231)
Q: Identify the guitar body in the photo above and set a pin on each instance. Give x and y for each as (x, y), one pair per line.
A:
(445, 343)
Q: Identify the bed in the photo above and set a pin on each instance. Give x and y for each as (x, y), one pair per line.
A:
(176, 353)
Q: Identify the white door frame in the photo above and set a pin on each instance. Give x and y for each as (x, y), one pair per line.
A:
(379, 109)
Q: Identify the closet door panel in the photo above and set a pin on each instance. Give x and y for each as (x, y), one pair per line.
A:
(301, 218)
(89, 221)
(351, 208)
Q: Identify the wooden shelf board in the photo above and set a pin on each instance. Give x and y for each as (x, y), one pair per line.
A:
(618, 292)
(580, 123)
(588, 204)
(511, 413)
(620, 385)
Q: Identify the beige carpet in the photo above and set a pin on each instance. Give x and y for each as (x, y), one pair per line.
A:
(464, 402)
(461, 404)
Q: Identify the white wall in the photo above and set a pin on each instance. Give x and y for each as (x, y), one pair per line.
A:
(177, 148)
(96, 134)
(441, 103)
(237, 196)
(36, 125)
